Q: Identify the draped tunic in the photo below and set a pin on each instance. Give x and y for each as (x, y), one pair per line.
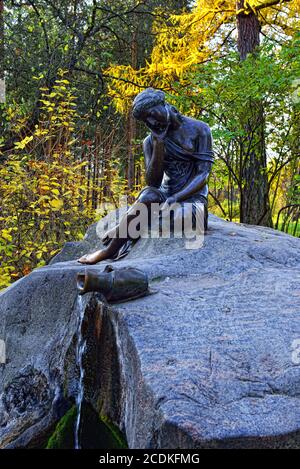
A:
(181, 166)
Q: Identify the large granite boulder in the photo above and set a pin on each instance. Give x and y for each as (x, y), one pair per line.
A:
(209, 359)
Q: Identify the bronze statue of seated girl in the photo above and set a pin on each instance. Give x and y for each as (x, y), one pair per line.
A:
(178, 159)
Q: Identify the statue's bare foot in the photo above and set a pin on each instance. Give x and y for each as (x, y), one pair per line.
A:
(94, 257)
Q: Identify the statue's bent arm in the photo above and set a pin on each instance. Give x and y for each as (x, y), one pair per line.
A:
(195, 185)
(154, 161)
(202, 168)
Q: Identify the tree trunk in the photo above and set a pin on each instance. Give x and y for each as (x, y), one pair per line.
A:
(1, 40)
(131, 129)
(248, 28)
(131, 123)
(254, 204)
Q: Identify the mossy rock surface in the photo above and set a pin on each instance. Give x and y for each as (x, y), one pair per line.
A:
(114, 432)
(99, 432)
(95, 432)
(63, 436)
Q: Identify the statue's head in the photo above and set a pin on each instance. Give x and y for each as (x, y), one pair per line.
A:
(150, 107)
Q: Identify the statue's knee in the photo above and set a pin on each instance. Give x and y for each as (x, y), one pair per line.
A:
(149, 196)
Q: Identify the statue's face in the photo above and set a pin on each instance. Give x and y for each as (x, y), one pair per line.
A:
(156, 119)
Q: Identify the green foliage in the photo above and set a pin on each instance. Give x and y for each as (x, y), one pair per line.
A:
(229, 90)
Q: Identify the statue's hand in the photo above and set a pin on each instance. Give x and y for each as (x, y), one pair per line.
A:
(170, 200)
(158, 137)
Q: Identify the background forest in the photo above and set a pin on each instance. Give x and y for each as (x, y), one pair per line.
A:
(69, 147)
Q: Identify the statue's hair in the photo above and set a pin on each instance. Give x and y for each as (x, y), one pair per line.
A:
(145, 100)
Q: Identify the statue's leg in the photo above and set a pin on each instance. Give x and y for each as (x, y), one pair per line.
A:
(146, 197)
(108, 235)
(143, 195)
(112, 233)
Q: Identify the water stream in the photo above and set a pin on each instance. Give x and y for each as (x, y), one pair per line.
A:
(81, 343)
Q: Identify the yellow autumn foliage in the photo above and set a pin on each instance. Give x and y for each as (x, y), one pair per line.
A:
(185, 40)
(42, 189)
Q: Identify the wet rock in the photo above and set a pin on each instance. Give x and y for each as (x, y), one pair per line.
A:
(209, 359)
